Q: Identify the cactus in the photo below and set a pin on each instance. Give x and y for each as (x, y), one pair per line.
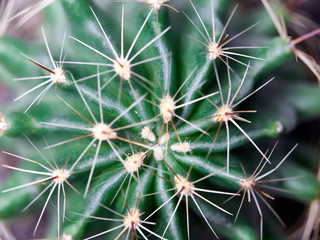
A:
(158, 123)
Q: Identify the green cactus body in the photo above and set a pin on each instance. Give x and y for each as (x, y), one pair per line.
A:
(144, 123)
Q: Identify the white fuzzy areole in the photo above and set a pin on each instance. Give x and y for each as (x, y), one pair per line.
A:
(123, 68)
(158, 150)
(156, 3)
(58, 76)
(134, 162)
(103, 132)
(225, 114)
(147, 134)
(163, 139)
(132, 221)
(61, 175)
(183, 186)
(158, 153)
(184, 147)
(167, 107)
(66, 237)
(3, 124)
(214, 51)
(248, 183)
(280, 127)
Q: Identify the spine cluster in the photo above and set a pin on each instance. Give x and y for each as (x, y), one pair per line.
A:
(133, 141)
